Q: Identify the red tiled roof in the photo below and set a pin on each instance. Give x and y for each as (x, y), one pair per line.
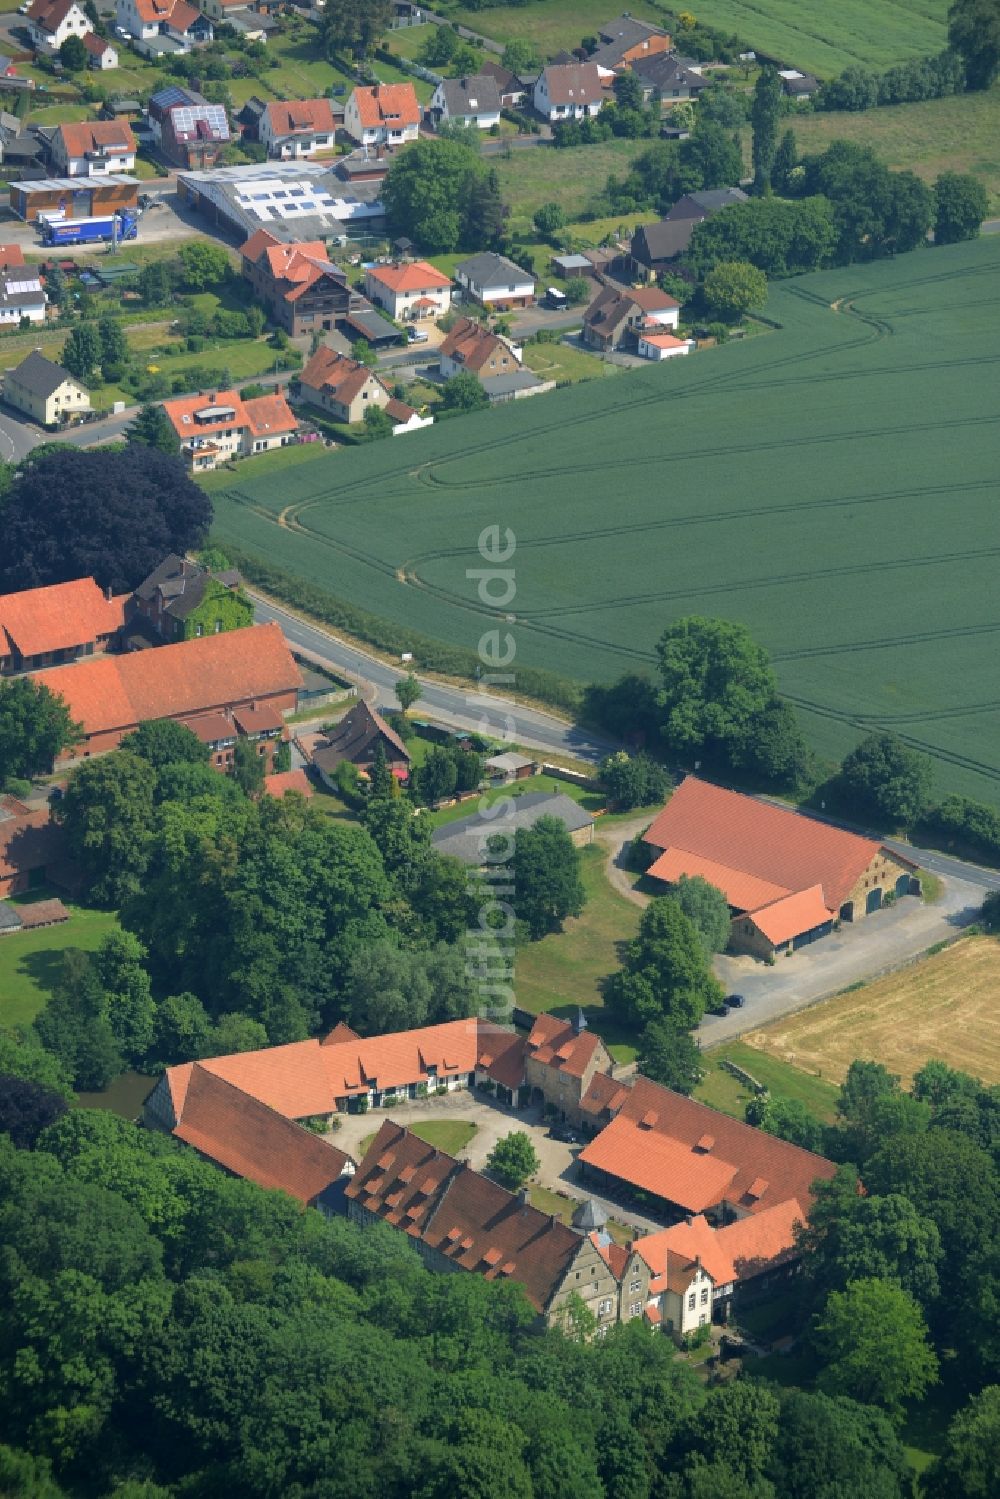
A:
(663, 1158)
(744, 891)
(281, 781)
(415, 275)
(604, 1092)
(301, 116)
(10, 256)
(175, 681)
(663, 340)
(260, 415)
(556, 1044)
(471, 1221)
(474, 345)
(342, 377)
(501, 1055)
(615, 1256)
(57, 618)
(793, 914)
(246, 1137)
(398, 411)
(175, 12)
(95, 45)
(696, 1239)
(767, 842)
(269, 414)
(387, 103)
(212, 728)
(28, 841)
(50, 14)
(763, 1238)
(90, 135)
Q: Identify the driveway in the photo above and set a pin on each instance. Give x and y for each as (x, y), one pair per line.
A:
(557, 1170)
(888, 940)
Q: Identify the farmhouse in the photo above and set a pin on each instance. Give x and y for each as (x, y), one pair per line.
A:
(296, 128)
(693, 1159)
(241, 670)
(342, 386)
(50, 626)
(655, 246)
(409, 289)
(301, 288)
(495, 282)
(625, 41)
(220, 425)
(356, 738)
(473, 102)
(181, 600)
(561, 1059)
(569, 91)
(620, 315)
(787, 877)
(466, 839)
(386, 115)
(45, 391)
(244, 1137)
(93, 148)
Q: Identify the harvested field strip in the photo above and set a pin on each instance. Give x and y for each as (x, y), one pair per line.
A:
(943, 1007)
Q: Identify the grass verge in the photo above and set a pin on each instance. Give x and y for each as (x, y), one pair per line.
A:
(721, 1090)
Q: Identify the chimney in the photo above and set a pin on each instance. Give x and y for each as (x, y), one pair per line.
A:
(524, 1197)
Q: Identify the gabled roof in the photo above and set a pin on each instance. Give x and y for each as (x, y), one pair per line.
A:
(666, 240)
(260, 415)
(409, 275)
(501, 1055)
(792, 915)
(90, 136)
(688, 1241)
(472, 1222)
(605, 1094)
(620, 36)
(473, 345)
(300, 117)
(176, 13)
(762, 1239)
(57, 618)
(194, 676)
(96, 45)
(470, 96)
(558, 1044)
(693, 1156)
(243, 1135)
(506, 81)
(392, 104)
(787, 849)
(704, 204)
(573, 83)
(664, 70)
(488, 269)
(355, 736)
(49, 15)
(40, 376)
(342, 377)
(268, 414)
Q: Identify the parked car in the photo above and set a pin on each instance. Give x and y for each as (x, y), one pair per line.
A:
(416, 335)
(567, 1136)
(735, 1001)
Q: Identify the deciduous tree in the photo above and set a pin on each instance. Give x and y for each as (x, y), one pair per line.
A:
(35, 726)
(408, 690)
(163, 741)
(765, 112)
(960, 205)
(887, 780)
(974, 32)
(203, 265)
(873, 1339)
(545, 871)
(669, 1055)
(513, 1159)
(705, 906)
(463, 392)
(734, 288)
(633, 780)
(107, 813)
(666, 974)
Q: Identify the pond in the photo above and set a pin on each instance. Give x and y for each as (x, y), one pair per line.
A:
(124, 1095)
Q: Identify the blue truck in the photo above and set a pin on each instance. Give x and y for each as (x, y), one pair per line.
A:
(92, 230)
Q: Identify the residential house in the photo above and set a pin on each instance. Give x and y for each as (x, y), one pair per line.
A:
(660, 346)
(32, 849)
(495, 282)
(163, 26)
(467, 839)
(787, 877)
(796, 85)
(102, 54)
(21, 295)
(385, 115)
(240, 669)
(655, 247)
(669, 78)
(471, 348)
(20, 147)
(409, 290)
(302, 290)
(569, 91)
(342, 1073)
(244, 1137)
(561, 1059)
(356, 738)
(189, 131)
(50, 22)
(707, 203)
(618, 315)
(62, 622)
(181, 600)
(92, 148)
(221, 425)
(512, 89)
(297, 128)
(260, 724)
(45, 391)
(249, 116)
(626, 41)
(691, 1159)
(473, 102)
(341, 386)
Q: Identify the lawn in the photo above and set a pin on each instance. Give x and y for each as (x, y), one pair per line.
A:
(563, 361)
(666, 492)
(449, 1135)
(721, 1090)
(563, 1208)
(275, 462)
(567, 968)
(30, 962)
(550, 24)
(540, 174)
(961, 134)
(943, 1007)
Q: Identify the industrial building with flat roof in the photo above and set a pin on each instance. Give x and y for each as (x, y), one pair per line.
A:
(293, 200)
(74, 197)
